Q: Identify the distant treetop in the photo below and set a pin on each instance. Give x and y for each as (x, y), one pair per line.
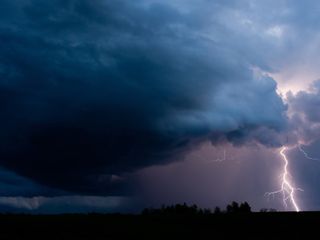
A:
(184, 209)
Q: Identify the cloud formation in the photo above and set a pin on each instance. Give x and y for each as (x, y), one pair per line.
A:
(305, 117)
(65, 204)
(98, 88)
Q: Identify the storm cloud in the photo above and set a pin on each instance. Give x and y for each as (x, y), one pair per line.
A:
(304, 117)
(100, 88)
(65, 204)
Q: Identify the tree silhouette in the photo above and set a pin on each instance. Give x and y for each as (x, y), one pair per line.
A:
(233, 207)
(184, 209)
(217, 210)
(245, 207)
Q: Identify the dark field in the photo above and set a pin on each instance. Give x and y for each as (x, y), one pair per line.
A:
(95, 226)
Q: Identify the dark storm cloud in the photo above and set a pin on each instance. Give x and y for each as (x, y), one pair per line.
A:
(66, 204)
(305, 116)
(12, 184)
(306, 103)
(95, 88)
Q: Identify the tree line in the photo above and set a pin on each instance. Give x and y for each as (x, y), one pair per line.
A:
(184, 209)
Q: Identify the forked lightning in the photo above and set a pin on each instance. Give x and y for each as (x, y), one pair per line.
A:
(287, 190)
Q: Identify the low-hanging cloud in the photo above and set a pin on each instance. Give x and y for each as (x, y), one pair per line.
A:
(65, 204)
(104, 87)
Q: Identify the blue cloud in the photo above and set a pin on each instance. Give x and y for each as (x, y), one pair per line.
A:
(105, 87)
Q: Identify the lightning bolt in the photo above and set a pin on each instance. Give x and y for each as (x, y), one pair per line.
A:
(306, 154)
(221, 159)
(287, 189)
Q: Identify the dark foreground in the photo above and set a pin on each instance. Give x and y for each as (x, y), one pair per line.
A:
(92, 226)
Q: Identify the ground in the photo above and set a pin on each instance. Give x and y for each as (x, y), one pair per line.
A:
(95, 226)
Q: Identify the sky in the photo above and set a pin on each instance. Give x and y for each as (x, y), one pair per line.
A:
(117, 105)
